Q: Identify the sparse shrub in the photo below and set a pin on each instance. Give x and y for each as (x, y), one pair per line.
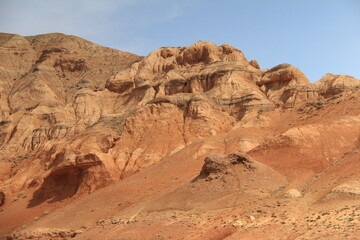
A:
(159, 100)
(4, 122)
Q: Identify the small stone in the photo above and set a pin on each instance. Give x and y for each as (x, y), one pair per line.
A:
(293, 193)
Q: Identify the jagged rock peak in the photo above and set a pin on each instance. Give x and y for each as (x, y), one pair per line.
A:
(175, 63)
(201, 52)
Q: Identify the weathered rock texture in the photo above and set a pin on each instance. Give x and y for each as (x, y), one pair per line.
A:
(76, 117)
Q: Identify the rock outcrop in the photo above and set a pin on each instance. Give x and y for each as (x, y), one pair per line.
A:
(216, 163)
(281, 82)
(218, 74)
(332, 85)
(52, 88)
(75, 116)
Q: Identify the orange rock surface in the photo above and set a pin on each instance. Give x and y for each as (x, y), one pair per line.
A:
(186, 143)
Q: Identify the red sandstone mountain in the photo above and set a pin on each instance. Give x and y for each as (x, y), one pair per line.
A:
(186, 143)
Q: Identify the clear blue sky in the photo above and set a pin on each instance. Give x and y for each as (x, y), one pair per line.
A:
(317, 36)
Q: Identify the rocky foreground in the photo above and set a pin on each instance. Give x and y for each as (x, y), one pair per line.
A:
(186, 143)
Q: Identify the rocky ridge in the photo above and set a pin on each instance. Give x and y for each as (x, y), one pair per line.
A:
(76, 117)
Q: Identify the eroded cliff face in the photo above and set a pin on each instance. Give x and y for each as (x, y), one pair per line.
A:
(75, 116)
(52, 90)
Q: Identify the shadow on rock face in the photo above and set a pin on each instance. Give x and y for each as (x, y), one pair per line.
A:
(2, 199)
(64, 180)
(58, 186)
